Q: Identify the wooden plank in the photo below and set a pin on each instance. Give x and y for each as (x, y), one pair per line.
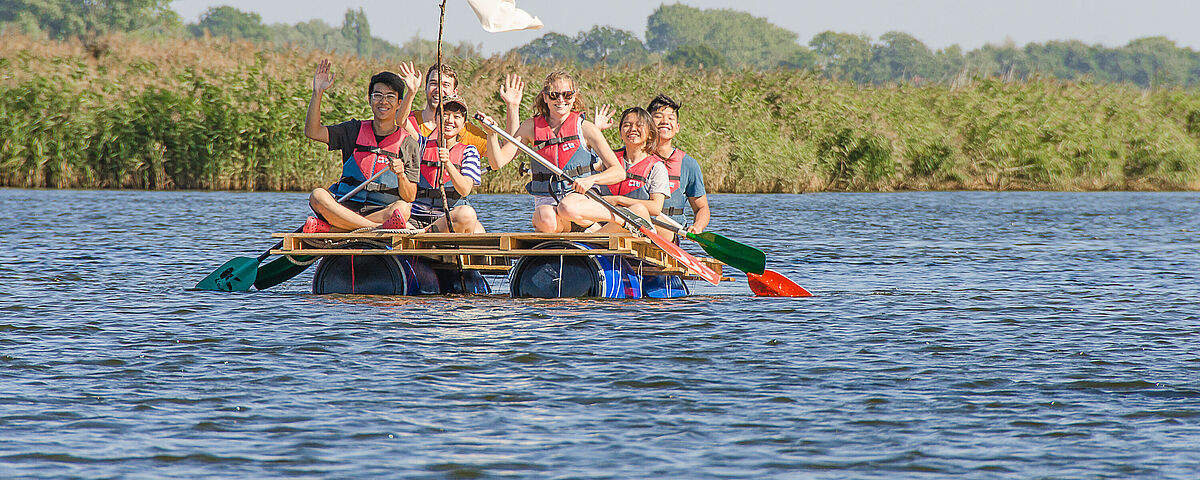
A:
(448, 253)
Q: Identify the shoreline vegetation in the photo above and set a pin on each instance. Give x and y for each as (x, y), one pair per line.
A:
(125, 111)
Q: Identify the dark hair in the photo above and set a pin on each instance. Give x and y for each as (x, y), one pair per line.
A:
(644, 117)
(387, 78)
(663, 101)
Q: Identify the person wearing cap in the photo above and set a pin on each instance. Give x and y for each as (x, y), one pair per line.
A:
(424, 121)
(456, 165)
(367, 147)
(683, 171)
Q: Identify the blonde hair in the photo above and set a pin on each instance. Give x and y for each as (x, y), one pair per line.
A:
(539, 104)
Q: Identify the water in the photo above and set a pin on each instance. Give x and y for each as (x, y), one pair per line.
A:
(984, 335)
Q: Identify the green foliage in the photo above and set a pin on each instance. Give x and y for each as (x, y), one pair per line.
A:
(744, 38)
(357, 30)
(228, 116)
(599, 45)
(62, 19)
(696, 56)
(232, 23)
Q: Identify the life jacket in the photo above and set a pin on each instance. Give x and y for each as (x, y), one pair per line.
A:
(566, 149)
(673, 206)
(636, 178)
(363, 164)
(427, 192)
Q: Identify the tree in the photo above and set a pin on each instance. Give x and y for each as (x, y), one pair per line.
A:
(72, 18)
(226, 21)
(696, 56)
(551, 47)
(742, 38)
(609, 45)
(357, 30)
(842, 56)
(901, 57)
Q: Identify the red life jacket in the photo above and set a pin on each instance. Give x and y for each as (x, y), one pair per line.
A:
(636, 177)
(363, 165)
(566, 149)
(674, 164)
(430, 164)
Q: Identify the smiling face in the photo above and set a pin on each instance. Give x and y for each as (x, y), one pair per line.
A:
(449, 86)
(635, 132)
(667, 122)
(559, 97)
(383, 100)
(453, 123)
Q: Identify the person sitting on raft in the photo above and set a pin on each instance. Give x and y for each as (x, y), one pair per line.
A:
(367, 146)
(425, 120)
(561, 135)
(459, 173)
(687, 181)
(646, 185)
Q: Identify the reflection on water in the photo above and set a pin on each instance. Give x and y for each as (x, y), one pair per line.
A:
(960, 333)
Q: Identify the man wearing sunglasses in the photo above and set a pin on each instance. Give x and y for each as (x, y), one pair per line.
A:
(386, 142)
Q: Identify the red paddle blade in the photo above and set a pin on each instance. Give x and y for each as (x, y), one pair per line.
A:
(773, 284)
(685, 258)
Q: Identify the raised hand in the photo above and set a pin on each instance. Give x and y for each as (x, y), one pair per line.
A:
(411, 76)
(603, 116)
(512, 90)
(323, 78)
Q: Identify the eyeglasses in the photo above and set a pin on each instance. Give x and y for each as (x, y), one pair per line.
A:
(567, 95)
(391, 97)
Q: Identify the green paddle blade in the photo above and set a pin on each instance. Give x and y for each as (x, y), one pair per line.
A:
(281, 270)
(737, 255)
(236, 275)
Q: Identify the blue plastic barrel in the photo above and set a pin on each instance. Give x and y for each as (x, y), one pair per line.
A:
(663, 286)
(607, 276)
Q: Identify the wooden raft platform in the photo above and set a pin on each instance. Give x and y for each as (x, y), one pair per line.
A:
(489, 253)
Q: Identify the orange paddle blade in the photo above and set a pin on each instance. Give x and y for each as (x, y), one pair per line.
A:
(774, 284)
(689, 261)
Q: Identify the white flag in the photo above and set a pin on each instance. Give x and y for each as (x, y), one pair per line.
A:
(503, 16)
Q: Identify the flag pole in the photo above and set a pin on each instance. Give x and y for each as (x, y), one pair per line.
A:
(441, 114)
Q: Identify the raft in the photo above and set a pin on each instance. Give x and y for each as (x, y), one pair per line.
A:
(546, 265)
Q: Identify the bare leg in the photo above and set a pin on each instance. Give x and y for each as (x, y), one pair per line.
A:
(546, 220)
(340, 217)
(465, 221)
(585, 211)
(381, 216)
(616, 225)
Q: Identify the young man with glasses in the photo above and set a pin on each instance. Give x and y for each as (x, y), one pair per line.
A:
(367, 146)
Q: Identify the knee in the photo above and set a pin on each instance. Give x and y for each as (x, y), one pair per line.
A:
(569, 211)
(319, 196)
(465, 213)
(545, 223)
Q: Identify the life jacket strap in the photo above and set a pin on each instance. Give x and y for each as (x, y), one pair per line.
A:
(672, 211)
(540, 144)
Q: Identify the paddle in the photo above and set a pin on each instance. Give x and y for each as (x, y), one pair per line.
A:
(692, 263)
(737, 255)
(774, 284)
(239, 274)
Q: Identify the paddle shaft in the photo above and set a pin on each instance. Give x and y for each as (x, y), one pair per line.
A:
(670, 248)
(349, 194)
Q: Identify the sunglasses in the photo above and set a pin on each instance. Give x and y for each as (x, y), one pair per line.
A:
(567, 95)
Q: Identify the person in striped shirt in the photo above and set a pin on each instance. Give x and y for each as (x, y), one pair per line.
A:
(456, 166)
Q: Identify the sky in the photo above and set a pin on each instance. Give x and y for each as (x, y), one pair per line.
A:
(938, 23)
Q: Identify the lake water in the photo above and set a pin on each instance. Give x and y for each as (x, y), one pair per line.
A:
(974, 334)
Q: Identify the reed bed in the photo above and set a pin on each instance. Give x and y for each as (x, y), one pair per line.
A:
(173, 113)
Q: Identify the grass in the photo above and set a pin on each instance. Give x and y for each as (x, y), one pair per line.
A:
(129, 112)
